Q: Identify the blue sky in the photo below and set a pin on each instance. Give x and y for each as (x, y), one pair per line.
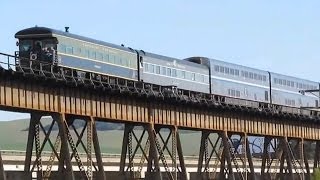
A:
(279, 36)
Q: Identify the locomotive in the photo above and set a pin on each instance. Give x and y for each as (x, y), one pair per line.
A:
(199, 74)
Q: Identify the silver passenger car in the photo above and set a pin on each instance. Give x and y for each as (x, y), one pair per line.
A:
(168, 71)
(285, 91)
(238, 81)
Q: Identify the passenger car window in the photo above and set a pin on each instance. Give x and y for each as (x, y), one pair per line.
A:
(216, 68)
(163, 70)
(174, 73)
(251, 75)
(146, 67)
(69, 50)
(246, 74)
(62, 48)
(202, 78)
(232, 71)
(125, 62)
(237, 93)
(168, 72)
(193, 76)
(183, 74)
(77, 51)
(105, 57)
(111, 58)
(221, 69)
(266, 95)
(99, 56)
(236, 72)
(92, 55)
(226, 70)
(158, 69)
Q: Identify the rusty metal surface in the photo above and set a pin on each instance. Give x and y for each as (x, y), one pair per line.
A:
(21, 94)
(2, 173)
(66, 102)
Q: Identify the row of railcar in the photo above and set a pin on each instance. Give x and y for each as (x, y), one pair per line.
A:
(196, 73)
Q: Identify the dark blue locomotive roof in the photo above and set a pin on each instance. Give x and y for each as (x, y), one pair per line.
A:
(48, 32)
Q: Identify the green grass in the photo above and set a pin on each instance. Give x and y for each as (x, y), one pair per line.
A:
(13, 136)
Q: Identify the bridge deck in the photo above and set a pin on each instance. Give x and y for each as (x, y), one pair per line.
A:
(56, 93)
(20, 93)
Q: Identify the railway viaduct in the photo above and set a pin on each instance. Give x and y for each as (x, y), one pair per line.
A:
(153, 109)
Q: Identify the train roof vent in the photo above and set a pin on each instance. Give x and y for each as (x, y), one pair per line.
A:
(198, 60)
(66, 29)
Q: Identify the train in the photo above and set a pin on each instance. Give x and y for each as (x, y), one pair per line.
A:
(199, 74)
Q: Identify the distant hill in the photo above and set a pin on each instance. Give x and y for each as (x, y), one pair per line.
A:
(101, 126)
(13, 136)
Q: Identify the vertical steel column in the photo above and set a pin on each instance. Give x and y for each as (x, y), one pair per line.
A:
(288, 156)
(35, 118)
(2, 173)
(222, 174)
(204, 137)
(174, 152)
(281, 156)
(127, 130)
(89, 148)
(181, 159)
(61, 169)
(301, 157)
(130, 154)
(226, 145)
(306, 163)
(74, 145)
(265, 155)
(38, 151)
(153, 154)
(34, 136)
(252, 175)
(281, 174)
(101, 173)
(164, 147)
(317, 155)
(65, 158)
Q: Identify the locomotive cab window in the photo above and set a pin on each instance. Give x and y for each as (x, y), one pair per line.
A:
(25, 47)
(38, 49)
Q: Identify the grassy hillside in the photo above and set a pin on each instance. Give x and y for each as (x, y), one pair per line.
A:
(13, 136)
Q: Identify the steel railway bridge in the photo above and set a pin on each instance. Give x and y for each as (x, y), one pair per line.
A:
(42, 90)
